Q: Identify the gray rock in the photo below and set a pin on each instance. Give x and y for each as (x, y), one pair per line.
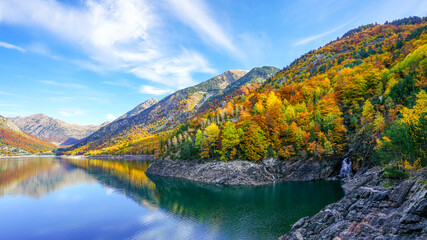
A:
(371, 211)
(226, 173)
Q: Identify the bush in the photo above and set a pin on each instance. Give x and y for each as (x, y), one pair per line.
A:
(394, 172)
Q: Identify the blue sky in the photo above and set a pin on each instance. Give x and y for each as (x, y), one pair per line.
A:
(87, 62)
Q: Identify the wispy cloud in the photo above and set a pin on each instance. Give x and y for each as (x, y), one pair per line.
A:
(319, 36)
(60, 99)
(146, 89)
(5, 93)
(11, 46)
(196, 14)
(8, 105)
(123, 35)
(62, 84)
(70, 112)
(111, 117)
(174, 71)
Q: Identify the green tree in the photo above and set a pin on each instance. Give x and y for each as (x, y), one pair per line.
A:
(230, 140)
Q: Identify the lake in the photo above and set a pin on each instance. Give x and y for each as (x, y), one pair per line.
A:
(51, 198)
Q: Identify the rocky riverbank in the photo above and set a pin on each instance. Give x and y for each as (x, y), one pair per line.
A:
(147, 157)
(244, 172)
(374, 208)
(226, 173)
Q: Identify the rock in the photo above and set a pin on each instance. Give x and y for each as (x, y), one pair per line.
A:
(244, 172)
(370, 211)
(307, 170)
(226, 173)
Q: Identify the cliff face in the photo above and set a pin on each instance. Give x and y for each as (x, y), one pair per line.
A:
(374, 208)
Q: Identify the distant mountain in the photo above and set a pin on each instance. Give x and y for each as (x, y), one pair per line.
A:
(53, 130)
(138, 109)
(165, 114)
(13, 141)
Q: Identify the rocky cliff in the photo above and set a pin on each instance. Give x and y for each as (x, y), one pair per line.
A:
(374, 208)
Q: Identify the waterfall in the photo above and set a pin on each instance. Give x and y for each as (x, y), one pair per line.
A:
(346, 170)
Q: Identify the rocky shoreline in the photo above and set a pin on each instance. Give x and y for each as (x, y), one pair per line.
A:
(244, 172)
(374, 208)
(226, 173)
(147, 157)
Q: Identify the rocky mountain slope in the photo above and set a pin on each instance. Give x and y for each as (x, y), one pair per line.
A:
(53, 130)
(13, 141)
(138, 109)
(349, 99)
(167, 113)
(255, 77)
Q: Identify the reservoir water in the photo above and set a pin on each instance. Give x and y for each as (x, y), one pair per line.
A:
(51, 198)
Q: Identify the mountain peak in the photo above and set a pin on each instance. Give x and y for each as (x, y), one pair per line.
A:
(5, 123)
(50, 129)
(138, 109)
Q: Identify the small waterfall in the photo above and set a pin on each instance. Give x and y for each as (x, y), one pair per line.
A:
(346, 170)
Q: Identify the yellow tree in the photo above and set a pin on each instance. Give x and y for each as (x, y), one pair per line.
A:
(253, 144)
(211, 133)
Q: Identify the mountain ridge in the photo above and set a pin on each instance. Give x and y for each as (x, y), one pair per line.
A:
(165, 114)
(53, 130)
(14, 141)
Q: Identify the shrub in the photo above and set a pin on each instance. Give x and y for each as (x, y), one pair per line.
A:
(394, 172)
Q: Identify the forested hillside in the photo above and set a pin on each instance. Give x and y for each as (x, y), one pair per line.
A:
(361, 95)
(140, 132)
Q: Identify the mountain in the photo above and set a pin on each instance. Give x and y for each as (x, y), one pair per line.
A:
(14, 141)
(361, 97)
(255, 77)
(166, 114)
(138, 109)
(53, 130)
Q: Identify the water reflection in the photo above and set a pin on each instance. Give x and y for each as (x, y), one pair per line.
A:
(90, 199)
(36, 177)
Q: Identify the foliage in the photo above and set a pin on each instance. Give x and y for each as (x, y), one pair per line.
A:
(12, 142)
(361, 95)
(394, 172)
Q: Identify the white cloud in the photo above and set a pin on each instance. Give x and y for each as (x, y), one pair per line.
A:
(5, 93)
(123, 35)
(111, 117)
(196, 14)
(60, 99)
(318, 36)
(61, 84)
(145, 89)
(174, 71)
(70, 112)
(11, 46)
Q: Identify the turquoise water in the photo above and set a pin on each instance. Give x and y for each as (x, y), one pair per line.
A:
(48, 198)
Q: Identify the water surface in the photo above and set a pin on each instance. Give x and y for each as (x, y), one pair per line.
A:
(49, 198)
